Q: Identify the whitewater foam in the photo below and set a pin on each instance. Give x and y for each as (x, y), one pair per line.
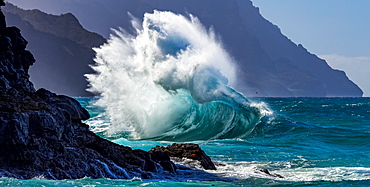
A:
(245, 170)
(172, 81)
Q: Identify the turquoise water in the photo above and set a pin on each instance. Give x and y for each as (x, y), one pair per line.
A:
(309, 141)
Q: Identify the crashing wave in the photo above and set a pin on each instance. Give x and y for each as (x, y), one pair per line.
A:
(171, 81)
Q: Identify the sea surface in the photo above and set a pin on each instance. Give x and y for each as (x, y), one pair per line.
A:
(308, 141)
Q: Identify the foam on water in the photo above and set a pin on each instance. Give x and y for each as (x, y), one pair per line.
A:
(245, 170)
(251, 169)
(313, 151)
(171, 81)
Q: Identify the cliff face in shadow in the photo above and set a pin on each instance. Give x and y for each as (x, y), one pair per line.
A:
(269, 63)
(61, 46)
(288, 56)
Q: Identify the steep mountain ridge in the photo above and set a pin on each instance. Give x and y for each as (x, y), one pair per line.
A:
(64, 26)
(269, 35)
(62, 48)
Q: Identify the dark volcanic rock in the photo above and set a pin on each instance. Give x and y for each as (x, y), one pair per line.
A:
(2, 20)
(68, 104)
(188, 150)
(273, 174)
(41, 133)
(163, 158)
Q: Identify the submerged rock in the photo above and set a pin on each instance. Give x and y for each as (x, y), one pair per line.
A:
(266, 171)
(42, 133)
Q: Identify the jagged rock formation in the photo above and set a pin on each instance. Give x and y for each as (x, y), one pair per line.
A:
(189, 150)
(62, 48)
(269, 63)
(41, 133)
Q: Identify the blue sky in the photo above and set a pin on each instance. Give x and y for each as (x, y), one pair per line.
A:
(335, 30)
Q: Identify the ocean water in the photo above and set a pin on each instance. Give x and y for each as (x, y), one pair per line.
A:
(309, 141)
(173, 81)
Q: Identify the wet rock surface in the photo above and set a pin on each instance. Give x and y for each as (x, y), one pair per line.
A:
(42, 133)
(187, 150)
(266, 171)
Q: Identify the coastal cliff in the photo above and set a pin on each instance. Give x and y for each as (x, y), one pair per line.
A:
(58, 43)
(42, 133)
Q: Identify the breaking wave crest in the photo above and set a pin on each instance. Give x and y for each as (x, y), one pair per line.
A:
(171, 81)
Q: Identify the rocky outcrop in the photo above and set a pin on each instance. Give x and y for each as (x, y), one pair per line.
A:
(42, 134)
(188, 150)
(61, 46)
